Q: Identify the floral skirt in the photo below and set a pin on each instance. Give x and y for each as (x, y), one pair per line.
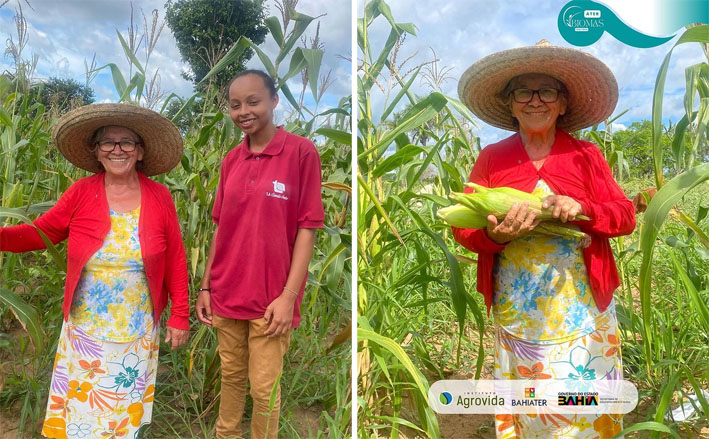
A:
(101, 389)
(595, 356)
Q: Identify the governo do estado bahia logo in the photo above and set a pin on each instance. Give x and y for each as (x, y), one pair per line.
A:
(643, 24)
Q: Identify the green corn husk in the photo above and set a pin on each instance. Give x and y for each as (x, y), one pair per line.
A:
(556, 228)
(499, 201)
(472, 211)
(461, 216)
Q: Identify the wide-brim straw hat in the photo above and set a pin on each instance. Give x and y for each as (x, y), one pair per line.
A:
(162, 143)
(592, 88)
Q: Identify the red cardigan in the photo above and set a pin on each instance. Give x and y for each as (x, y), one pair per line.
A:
(82, 215)
(575, 168)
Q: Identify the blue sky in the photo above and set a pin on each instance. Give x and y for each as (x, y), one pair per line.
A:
(462, 32)
(64, 34)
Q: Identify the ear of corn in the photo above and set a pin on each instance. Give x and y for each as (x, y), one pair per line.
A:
(463, 217)
(472, 210)
(499, 201)
(527, 197)
(556, 228)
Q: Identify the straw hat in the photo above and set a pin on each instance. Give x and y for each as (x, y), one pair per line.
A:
(592, 88)
(162, 142)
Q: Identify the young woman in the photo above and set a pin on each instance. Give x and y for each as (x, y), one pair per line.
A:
(267, 208)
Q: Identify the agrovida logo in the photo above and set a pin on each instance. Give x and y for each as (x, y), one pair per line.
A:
(445, 398)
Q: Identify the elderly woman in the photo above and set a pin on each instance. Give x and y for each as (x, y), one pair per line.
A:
(552, 300)
(125, 257)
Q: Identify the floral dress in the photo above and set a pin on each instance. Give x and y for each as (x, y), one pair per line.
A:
(103, 380)
(548, 326)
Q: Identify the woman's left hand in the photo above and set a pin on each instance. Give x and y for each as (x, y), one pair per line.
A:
(279, 315)
(177, 336)
(565, 208)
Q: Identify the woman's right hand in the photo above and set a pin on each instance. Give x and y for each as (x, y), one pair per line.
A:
(518, 222)
(204, 308)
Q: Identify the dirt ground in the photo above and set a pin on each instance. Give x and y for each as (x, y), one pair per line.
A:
(306, 420)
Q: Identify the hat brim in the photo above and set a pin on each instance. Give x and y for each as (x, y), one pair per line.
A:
(592, 88)
(162, 142)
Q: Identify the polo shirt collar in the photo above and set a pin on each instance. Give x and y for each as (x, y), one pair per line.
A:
(274, 147)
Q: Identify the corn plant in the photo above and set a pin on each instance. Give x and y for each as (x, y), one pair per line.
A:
(411, 284)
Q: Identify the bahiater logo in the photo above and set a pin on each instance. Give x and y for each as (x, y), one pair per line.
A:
(529, 392)
(583, 22)
(445, 398)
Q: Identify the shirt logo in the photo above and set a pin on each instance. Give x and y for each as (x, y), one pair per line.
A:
(278, 187)
(278, 190)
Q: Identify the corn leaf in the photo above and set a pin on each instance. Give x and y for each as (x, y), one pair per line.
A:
(25, 314)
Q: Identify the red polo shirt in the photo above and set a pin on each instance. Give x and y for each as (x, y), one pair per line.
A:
(262, 201)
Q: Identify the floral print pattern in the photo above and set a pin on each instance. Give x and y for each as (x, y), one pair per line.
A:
(541, 288)
(549, 327)
(103, 382)
(112, 300)
(106, 394)
(578, 362)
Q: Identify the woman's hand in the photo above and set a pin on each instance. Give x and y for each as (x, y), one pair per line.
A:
(204, 308)
(279, 315)
(565, 208)
(518, 222)
(177, 336)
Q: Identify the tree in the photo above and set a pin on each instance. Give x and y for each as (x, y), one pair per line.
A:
(65, 94)
(636, 144)
(205, 30)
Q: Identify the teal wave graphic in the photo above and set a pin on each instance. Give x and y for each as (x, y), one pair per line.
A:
(582, 23)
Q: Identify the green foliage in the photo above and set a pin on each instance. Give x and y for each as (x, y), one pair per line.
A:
(634, 142)
(65, 94)
(205, 30)
(412, 287)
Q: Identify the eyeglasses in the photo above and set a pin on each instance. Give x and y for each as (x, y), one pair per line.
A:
(109, 145)
(525, 95)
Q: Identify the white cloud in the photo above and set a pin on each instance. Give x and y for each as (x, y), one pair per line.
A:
(64, 34)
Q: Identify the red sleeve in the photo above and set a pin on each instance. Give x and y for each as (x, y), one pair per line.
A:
(176, 278)
(54, 223)
(612, 213)
(310, 209)
(476, 239)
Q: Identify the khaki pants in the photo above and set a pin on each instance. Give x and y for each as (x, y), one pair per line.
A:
(246, 353)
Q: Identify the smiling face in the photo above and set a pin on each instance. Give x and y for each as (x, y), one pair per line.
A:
(251, 104)
(536, 116)
(117, 162)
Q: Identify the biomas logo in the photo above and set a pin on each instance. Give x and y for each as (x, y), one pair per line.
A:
(583, 22)
(445, 398)
(571, 14)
